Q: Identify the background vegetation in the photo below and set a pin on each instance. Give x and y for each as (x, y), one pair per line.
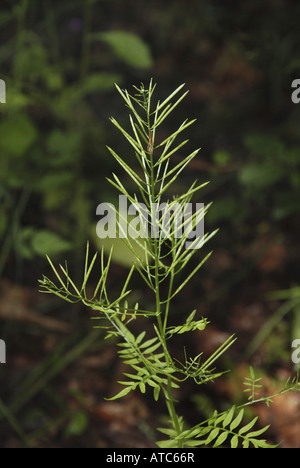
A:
(60, 61)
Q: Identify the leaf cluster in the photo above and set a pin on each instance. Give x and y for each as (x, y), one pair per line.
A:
(225, 428)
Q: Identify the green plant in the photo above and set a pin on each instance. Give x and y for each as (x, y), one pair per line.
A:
(164, 269)
(252, 385)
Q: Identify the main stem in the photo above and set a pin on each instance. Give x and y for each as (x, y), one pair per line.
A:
(162, 325)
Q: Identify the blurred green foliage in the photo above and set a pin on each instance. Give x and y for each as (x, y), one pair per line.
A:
(52, 136)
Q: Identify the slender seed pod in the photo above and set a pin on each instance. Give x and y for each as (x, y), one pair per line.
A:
(150, 144)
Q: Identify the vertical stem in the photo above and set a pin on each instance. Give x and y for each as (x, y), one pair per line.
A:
(161, 325)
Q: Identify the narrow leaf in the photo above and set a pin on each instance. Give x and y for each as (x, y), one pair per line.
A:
(122, 393)
(234, 441)
(258, 433)
(229, 417)
(237, 421)
(156, 393)
(221, 439)
(246, 428)
(170, 97)
(213, 434)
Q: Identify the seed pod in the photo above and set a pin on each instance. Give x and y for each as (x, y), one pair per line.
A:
(150, 144)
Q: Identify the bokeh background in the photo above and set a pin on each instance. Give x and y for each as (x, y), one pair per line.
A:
(60, 61)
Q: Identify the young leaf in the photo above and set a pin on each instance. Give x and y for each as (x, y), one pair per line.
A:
(229, 417)
(122, 393)
(221, 439)
(156, 393)
(213, 434)
(248, 426)
(237, 421)
(234, 441)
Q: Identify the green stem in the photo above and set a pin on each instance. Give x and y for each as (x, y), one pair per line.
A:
(162, 325)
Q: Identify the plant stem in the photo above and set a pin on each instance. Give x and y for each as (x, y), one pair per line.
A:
(162, 328)
(162, 325)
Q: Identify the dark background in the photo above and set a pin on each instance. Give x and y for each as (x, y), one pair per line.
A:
(238, 60)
